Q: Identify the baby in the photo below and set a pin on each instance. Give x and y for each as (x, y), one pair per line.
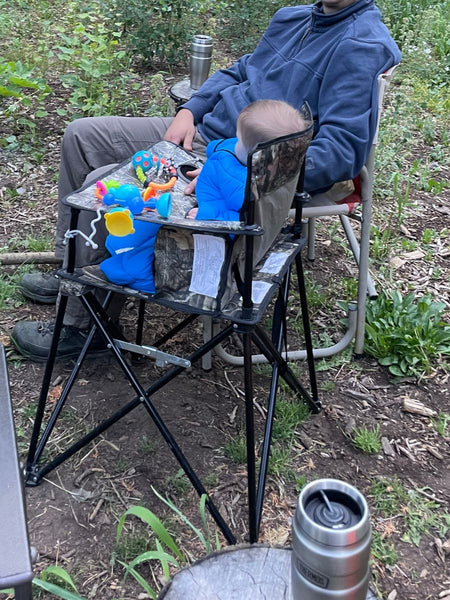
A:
(221, 184)
(220, 190)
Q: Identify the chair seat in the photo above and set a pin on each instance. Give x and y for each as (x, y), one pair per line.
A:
(268, 274)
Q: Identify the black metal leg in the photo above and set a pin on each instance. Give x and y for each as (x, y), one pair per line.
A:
(277, 339)
(23, 592)
(307, 330)
(46, 383)
(250, 437)
(264, 343)
(140, 322)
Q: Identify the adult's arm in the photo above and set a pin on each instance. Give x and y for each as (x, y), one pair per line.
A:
(208, 95)
(182, 129)
(347, 112)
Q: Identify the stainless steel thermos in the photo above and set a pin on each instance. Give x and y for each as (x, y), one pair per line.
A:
(201, 56)
(331, 538)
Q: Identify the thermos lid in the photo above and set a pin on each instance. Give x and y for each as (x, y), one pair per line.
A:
(333, 512)
(202, 39)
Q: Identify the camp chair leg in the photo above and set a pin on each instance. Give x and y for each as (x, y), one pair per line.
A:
(23, 592)
(250, 438)
(107, 329)
(140, 321)
(311, 239)
(207, 324)
(33, 454)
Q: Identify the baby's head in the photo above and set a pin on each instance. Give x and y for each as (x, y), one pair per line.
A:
(265, 120)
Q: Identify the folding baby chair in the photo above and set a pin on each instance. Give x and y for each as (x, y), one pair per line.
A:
(247, 264)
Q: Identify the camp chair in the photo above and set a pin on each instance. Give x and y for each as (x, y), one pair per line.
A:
(344, 204)
(253, 258)
(346, 208)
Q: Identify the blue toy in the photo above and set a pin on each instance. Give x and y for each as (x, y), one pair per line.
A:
(127, 196)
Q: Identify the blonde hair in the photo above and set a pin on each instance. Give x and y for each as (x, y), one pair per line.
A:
(265, 120)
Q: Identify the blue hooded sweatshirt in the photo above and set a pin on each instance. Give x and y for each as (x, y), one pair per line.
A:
(220, 187)
(332, 61)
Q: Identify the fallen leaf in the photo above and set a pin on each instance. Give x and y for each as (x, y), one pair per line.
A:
(396, 262)
(54, 394)
(413, 255)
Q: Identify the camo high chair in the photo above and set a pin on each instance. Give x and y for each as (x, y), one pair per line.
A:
(228, 271)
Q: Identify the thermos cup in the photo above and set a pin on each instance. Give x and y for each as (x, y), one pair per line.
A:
(331, 537)
(201, 56)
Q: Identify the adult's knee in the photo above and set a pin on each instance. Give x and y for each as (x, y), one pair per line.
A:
(80, 129)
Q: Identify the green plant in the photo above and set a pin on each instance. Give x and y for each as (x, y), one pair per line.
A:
(441, 422)
(97, 71)
(288, 416)
(383, 550)
(62, 589)
(10, 297)
(16, 80)
(278, 462)
(406, 334)
(179, 482)
(419, 513)
(236, 449)
(388, 496)
(165, 42)
(243, 23)
(367, 439)
(147, 445)
(300, 482)
(401, 195)
(167, 551)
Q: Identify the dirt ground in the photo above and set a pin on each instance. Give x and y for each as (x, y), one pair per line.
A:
(73, 514)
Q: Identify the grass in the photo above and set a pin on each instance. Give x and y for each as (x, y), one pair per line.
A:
(367, 439)
(10, 296)
(414, 510)
(441, 424)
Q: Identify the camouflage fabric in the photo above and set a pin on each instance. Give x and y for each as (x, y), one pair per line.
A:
(272, 182)
(274, 168)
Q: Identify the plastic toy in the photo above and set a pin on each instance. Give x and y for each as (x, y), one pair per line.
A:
(154, 172)
(103, 187)
(127, 196)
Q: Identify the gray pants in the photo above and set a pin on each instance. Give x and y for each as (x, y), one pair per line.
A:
(90, 147)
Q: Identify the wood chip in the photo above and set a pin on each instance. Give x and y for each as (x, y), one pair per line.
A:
(406, 452)
(387, 447)
(412, 405)
(434, 452)
(392, 595)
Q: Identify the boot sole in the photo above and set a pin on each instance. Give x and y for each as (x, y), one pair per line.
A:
(42, 359)
(38, 298)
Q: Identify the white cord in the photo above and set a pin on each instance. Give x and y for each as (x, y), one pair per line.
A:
(89, 240)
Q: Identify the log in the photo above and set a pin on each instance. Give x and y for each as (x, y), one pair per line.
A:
(236, 573)
(412, 405)
(20, 258)
(245, 572)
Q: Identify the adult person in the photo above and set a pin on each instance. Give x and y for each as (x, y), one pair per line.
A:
(328, 54)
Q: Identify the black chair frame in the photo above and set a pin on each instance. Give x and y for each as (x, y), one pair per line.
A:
(245, 322)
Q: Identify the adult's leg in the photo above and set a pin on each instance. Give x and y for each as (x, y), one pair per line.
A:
(90, 144)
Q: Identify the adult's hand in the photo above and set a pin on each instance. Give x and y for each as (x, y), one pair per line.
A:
(182, 129)
(190, 188)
